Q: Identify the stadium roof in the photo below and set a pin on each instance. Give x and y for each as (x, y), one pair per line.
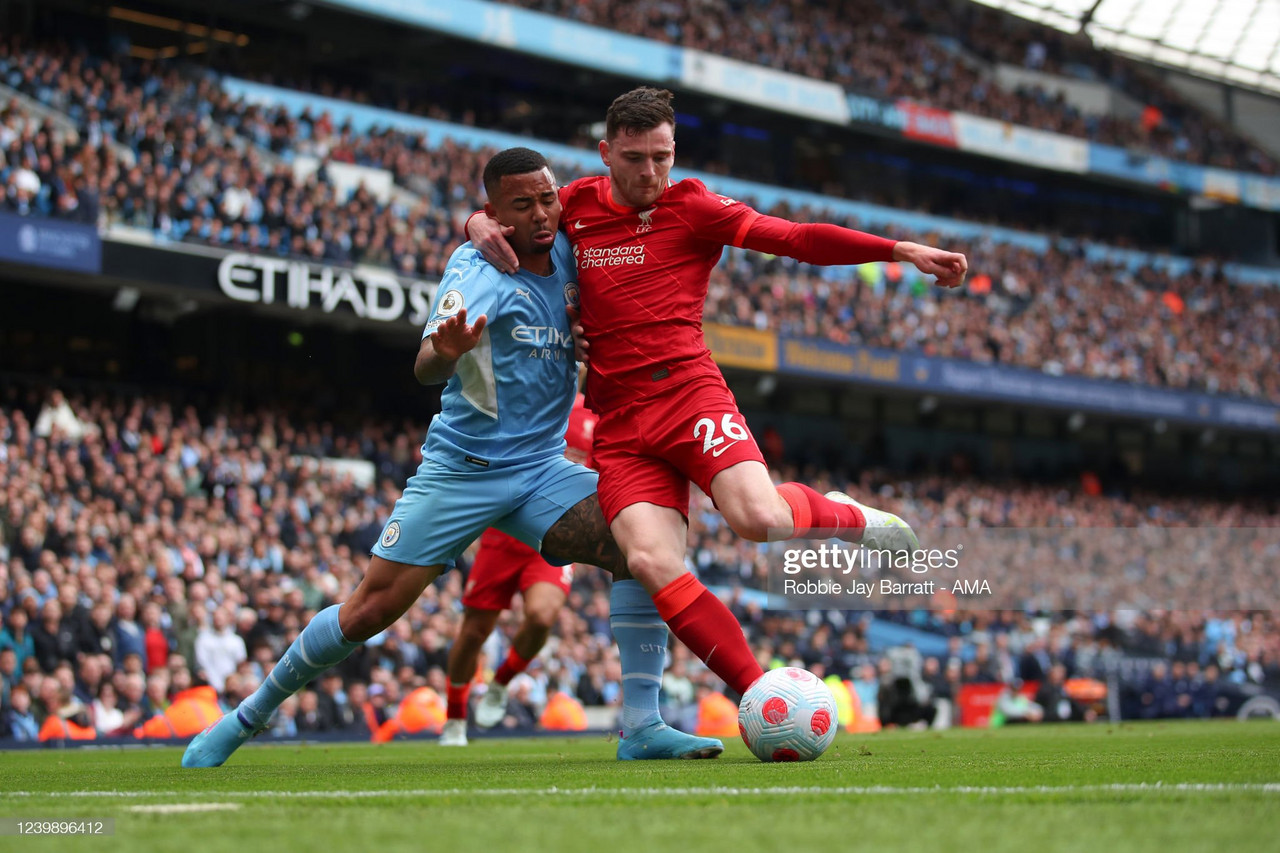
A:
(1233, 40)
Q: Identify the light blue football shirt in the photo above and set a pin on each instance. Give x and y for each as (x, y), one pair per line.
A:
(509, 399)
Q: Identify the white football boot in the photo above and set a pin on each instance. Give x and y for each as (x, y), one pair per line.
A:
(884, 530)
(492, 706)
(454, 733)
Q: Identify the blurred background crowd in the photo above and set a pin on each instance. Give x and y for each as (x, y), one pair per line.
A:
(174, 155)
(147, 546)
(925, 50)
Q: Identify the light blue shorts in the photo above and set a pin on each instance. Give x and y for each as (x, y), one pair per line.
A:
(443, 509)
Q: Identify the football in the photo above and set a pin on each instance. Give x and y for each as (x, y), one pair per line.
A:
(788, 714)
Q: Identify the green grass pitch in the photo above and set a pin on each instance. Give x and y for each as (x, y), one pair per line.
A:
(1129, 787)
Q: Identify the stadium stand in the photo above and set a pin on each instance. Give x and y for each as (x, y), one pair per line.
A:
(157, 546)
(215, 177)
(193, 177)
(148, 547)
(929, 51)
(880, 177)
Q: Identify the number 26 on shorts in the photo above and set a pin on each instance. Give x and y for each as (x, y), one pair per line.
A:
(705, 429)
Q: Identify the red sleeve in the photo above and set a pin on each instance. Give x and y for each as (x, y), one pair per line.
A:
(716, 218)
(817, 243)
(466, 235)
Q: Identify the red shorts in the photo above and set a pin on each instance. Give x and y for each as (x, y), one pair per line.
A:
(504, 566)
(648, 451)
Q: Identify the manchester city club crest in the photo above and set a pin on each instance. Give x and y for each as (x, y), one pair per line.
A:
(391, 535)
(571, 294)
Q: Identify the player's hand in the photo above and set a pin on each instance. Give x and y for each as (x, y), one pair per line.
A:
(580, 343)
(453, 338)
(490, 237)
(949, 268)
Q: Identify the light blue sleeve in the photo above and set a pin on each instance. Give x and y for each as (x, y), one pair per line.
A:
(467, 283)
(567, 265)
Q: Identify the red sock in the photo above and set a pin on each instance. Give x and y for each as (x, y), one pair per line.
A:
(511, 667)
(705, 625)
(819, 517)
(456, 700)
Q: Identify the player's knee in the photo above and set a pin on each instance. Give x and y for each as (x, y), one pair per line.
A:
(542, 617)
(654, 570)
(758, 519)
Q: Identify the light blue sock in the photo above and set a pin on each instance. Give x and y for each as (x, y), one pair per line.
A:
(319, 646)
(642, 644)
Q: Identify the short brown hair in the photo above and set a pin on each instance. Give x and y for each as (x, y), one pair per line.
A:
(639, 110)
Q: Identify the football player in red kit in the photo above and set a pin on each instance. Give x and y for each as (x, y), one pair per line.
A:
(645, 248)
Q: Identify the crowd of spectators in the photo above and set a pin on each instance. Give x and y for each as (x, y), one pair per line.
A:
(906, 50)
(147, 546)
(201, 175)
(43, 170)
(189, 175)
(107, 97)
(1169, 123)
(1053, 311)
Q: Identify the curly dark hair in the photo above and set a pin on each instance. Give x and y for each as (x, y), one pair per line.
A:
(512, 161)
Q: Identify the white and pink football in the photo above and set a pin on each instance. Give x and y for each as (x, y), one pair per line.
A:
(788, 714)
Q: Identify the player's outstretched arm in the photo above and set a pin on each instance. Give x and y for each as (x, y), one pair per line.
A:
(950, 268)
(490, 237)
(440, 350)
(821, 243)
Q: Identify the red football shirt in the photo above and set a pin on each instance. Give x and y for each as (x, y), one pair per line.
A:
(644, 276)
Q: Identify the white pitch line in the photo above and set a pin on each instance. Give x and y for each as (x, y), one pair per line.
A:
(853, 791)
(183, 808)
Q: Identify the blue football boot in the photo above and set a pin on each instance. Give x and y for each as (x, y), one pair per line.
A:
(658, 741)
(215, 744)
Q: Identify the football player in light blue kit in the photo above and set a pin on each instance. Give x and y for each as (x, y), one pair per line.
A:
(493, 457)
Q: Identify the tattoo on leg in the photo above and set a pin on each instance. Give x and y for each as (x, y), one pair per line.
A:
(582, 536)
